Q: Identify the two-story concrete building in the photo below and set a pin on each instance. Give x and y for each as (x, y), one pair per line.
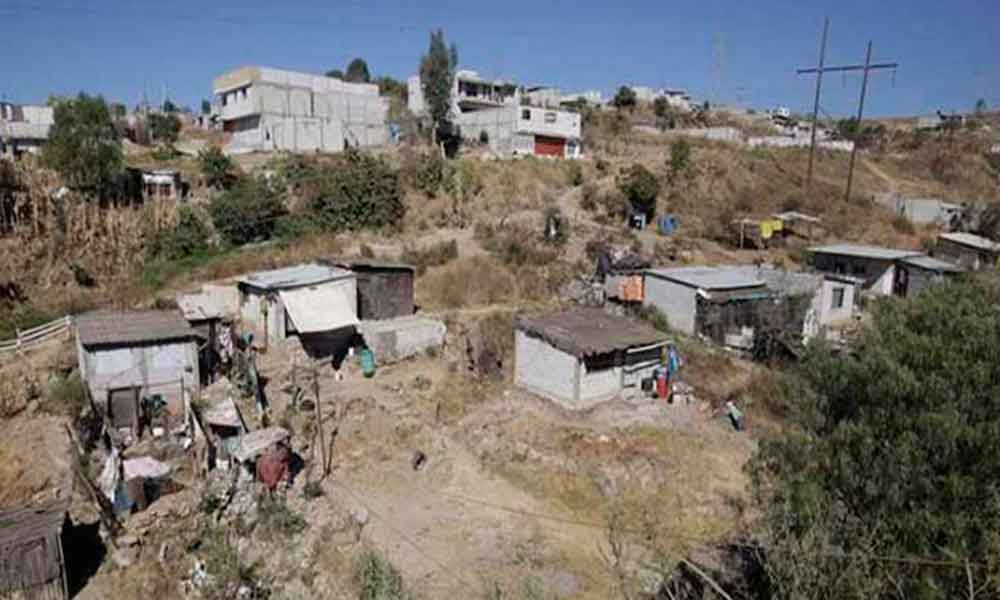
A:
(265, 109)
(493, 111)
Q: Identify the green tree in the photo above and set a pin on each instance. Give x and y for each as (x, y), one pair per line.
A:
(891, 450)
(661, 107)
(216, 167)
(335, 73)
(164, 127)
(206, 106)
(187, 238)
(357, 71)
(624, 98)
(169, 106)
(362, 190)
(83, 144)
(437, 78)
(248, 211)
(980, 106)
(387, 86)
(680, 159)
(640, 187)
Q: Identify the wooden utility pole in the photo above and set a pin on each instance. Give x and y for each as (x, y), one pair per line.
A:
(819, 70)
(319, 422)
(819, 84)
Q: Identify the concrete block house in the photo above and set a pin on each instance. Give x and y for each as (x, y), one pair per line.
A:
(131, 360)
(582, 357)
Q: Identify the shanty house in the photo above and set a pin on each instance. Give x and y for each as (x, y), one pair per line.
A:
(32, 564)
(915, 273)
(968, 250)
(581, 357)
(162, 184)
(130, 360)
(721, 303)
(208, 310)
(874, 265)
(385, 289)
(315, 302)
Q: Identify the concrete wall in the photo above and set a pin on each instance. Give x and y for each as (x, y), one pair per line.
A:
(777, 141)
(720, 134)
(545, 370)
(828, 315)
(396, 339)
(156, 368)
(548, 122)
(415, 95)
(678, 302)
(298, 112)
(598, 385)
(921, 211)
(498, 123)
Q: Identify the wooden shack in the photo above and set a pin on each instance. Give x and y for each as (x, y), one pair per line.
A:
(32, 564)
(385, 289)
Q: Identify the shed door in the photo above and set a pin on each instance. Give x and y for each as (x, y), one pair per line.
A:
(549, 146)
(123, 405)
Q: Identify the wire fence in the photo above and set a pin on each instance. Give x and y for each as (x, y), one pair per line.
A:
(29, 338)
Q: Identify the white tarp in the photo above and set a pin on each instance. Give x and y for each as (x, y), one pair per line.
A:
(320, 308)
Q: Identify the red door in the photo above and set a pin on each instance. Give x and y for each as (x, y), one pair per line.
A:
(549, 146)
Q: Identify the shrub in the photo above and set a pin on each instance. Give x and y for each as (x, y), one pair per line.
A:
(377, 578)
(65, 397)
(588, 197)
(640, 187)
(429, 173)
(574, 173)
(434, 255)
(275, 516)
(680, 159)
(247, 212)
(556, 226)
(362, 190)
(484, 137)
(313, 490)
(655, 317)
(216, 168)
(187, 238)
(516, 245)
(613, 205)
(164, 127)
(903, 225)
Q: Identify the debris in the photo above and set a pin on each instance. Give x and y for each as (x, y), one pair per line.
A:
(256, 442)
(418, 461)
(273, 466)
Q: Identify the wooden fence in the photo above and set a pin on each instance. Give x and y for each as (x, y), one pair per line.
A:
(29, 338)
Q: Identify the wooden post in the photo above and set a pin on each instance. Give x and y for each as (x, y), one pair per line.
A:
(319, 422)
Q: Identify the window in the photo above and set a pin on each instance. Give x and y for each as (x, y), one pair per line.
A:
(858, 269)
(526, 114)
(550, 117)
(838, 298)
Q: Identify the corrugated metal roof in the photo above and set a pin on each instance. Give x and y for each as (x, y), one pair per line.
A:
(785, 282)
(710, 278)
(932, 264)
(584, 332)
(863, 251)
(131, 327)
(297, 276)
(971, 240)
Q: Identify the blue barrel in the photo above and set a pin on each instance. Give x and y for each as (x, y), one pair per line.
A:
(667, 224)
(368, 362)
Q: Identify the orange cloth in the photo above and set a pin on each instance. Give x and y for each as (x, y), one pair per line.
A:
(630, 289)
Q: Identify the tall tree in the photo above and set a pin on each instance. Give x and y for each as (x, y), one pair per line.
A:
(335, 73)
(357, 71)
(891, 450)
(624, 98)
(83, 144)
(437, 78)
(980, 106)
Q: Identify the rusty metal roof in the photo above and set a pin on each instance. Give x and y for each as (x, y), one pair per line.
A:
(588, 331)
(112, 328)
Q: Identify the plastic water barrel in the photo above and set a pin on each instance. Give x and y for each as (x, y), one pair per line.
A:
(368, 362)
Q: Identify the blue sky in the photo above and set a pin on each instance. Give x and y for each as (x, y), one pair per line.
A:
(949, 52)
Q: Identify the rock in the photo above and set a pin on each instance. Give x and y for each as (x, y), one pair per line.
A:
(360, 515)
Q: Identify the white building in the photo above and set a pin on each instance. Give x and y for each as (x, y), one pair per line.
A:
(591, 97)
(874, 266)
(128, 357)
(24, 128)
(491, 111)
(268, 109)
